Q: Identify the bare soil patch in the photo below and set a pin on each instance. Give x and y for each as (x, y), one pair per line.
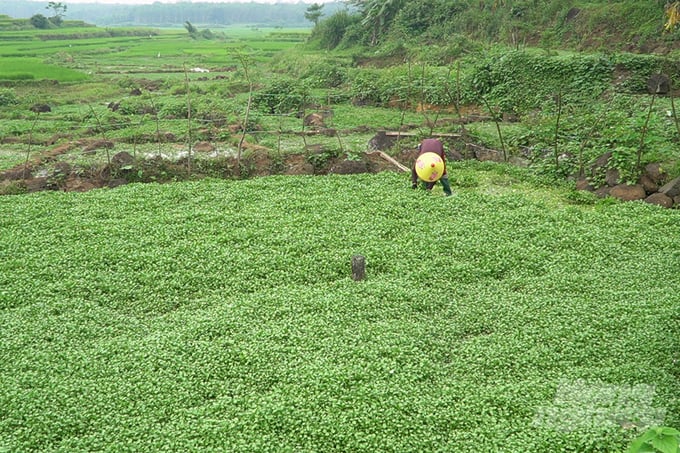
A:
(44, 171)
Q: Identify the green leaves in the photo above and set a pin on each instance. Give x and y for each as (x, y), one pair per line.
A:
(657, 440)
(509, 79)
(221, 315)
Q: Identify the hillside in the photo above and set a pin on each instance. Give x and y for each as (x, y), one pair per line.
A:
(578, 25)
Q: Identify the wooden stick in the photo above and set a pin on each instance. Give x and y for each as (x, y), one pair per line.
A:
(391, 160)
(358, 268)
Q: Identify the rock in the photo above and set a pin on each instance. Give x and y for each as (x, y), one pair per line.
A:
(611, 177)
(204, 147)
(36, 184)
(358, 267)
(584, 184)
(300, 168)
(315, 148)
(454, 155)
(40, 108)
(658, 84)
(598, 169)
(655, 173)
(627, 192)
(314, 120)
(93, 146)
(121, 159)
(572, 13)
(297, 164)
(486, 154)
(17, 173)
(116, 183)
(380, 142)
(603, 192)
(672, 188)
(76, 184)
(660, 199)
(648, 184)
(62, 168)
(349, 167)
(600, 162)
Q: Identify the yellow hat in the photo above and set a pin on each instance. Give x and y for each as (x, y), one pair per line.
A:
(429, 167)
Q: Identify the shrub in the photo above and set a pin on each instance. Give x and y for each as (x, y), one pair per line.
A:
(7, 97)
(282, 95)
(367, 87)
(135, 106)
(325, 74)
(40, 21)
(175, 108)
(520, 81)
(331, 32)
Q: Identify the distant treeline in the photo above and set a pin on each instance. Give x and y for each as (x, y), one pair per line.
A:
(176, 14)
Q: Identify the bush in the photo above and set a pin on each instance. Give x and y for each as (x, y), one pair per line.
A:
(135, 106)
(172, 109)
(329, 33)
(367, 87)
(325, 74)
(519, 81)
(7, 97)
(19, 76)
(41, 22)
(282, 95)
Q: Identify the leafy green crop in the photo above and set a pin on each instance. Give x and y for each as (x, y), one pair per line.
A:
(657, 439)
(34, 69)
(221, 316)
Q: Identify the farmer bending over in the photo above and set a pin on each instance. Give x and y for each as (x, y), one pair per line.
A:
(431, 145)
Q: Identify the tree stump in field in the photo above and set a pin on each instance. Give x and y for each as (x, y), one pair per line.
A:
(40, 108)
(358, 267)
(658, 84)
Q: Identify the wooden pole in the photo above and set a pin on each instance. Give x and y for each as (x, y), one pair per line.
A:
(390, 159)
(358, 267)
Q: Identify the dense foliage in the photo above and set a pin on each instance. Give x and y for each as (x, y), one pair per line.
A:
(554, 23)
(220, 315)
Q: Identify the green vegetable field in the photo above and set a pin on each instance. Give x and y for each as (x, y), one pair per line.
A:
(221, 315)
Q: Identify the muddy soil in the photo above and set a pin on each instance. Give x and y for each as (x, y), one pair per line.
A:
(45, 171)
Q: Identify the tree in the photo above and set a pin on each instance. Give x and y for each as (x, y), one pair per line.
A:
(313, 13)
(672, 16)
(40, 21)
(332, 31)
(378, 14)
(190, 28)
(59, 10)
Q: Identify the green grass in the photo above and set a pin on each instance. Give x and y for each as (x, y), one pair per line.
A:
(221, 316)
(16, 68)
(11, 156)
(90, 49)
